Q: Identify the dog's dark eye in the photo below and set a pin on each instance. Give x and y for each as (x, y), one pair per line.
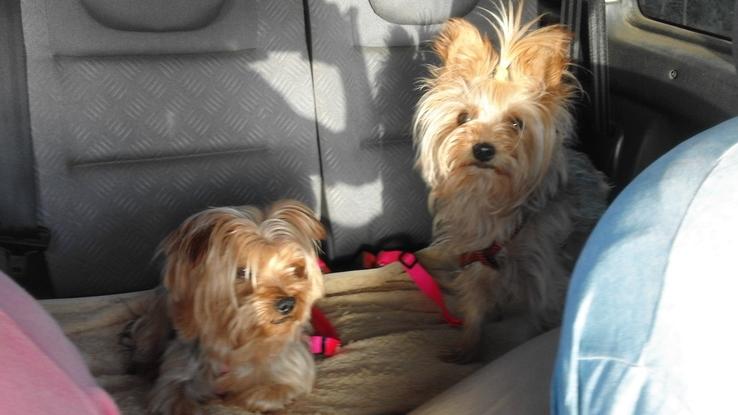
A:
(517, 124)
(285, 305)
(463, 118)
(243, 274)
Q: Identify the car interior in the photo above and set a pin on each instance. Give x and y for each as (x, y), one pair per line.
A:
(119, 119)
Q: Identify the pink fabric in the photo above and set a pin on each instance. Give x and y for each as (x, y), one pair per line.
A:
(41, 372)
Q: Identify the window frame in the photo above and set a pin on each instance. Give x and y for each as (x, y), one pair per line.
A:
(636, 18)
(685, 27)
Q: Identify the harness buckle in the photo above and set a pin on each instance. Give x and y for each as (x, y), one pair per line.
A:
(408, 259)
(16, 245)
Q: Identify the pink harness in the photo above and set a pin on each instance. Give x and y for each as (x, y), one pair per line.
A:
(325, 340)
(417, 273)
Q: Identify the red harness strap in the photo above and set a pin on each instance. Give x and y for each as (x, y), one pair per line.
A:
(487, 256)
(417, 273)
(323, 266)
(325, 339)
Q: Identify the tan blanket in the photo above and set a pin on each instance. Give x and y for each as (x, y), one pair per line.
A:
(392, 337)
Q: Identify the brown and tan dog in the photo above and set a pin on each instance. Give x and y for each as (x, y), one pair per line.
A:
(511, 200)
(228, 324)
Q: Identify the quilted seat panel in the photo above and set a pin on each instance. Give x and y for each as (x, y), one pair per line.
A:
(135, 129)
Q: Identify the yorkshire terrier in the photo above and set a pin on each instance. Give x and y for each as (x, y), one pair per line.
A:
(228, 324)
(512, 201)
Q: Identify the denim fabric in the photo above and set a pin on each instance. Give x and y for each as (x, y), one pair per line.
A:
(650, 322)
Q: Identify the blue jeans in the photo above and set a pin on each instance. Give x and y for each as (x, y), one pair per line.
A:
(651, 322)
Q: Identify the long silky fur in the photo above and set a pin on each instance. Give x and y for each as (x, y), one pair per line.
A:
(209, 336)
(538, 197)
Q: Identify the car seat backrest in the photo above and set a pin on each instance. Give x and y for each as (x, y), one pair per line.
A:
(146, 111)
(367, 58)
(17, 199)
(735, 35)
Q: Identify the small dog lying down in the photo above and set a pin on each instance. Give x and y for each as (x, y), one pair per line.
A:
(228, 323)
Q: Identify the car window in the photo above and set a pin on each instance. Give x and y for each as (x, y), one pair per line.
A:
(709, 16)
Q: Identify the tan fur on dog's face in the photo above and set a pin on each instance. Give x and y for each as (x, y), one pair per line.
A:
(269, 276)
(229, 271)
(514, 99)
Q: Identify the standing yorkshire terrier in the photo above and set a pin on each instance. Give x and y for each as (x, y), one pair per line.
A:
(239, 285)
(512, 202)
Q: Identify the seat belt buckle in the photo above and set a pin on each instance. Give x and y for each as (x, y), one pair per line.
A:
(13, 264)
(16, 246)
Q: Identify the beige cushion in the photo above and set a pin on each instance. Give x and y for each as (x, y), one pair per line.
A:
(516, 383)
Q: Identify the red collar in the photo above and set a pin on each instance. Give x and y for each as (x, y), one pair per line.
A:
(487, 256)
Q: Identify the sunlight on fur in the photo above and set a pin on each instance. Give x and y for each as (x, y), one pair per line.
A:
(228, 325)
(493, 132)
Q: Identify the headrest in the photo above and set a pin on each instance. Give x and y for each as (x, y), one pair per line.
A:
(153, 15)
(421, 12)
(150, 27)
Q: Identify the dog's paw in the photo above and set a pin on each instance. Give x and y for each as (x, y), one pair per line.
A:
(460, 356)
(264, 399)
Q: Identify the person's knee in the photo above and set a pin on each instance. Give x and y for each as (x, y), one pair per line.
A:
(652, 290)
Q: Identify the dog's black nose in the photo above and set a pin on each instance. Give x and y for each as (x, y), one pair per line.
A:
(285, 305)
(483, 151)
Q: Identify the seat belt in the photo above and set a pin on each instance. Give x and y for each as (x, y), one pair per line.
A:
(571, 16)
(597, 59)
(734, 36)
(20, 235)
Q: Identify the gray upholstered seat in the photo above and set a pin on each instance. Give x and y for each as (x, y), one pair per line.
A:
(143, 112)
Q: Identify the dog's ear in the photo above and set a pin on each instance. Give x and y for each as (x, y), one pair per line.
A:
(185, 250)
(188, 244)
(462, 47)
(306, 230)
(189, 241)
(542, 55)
(300, 217)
